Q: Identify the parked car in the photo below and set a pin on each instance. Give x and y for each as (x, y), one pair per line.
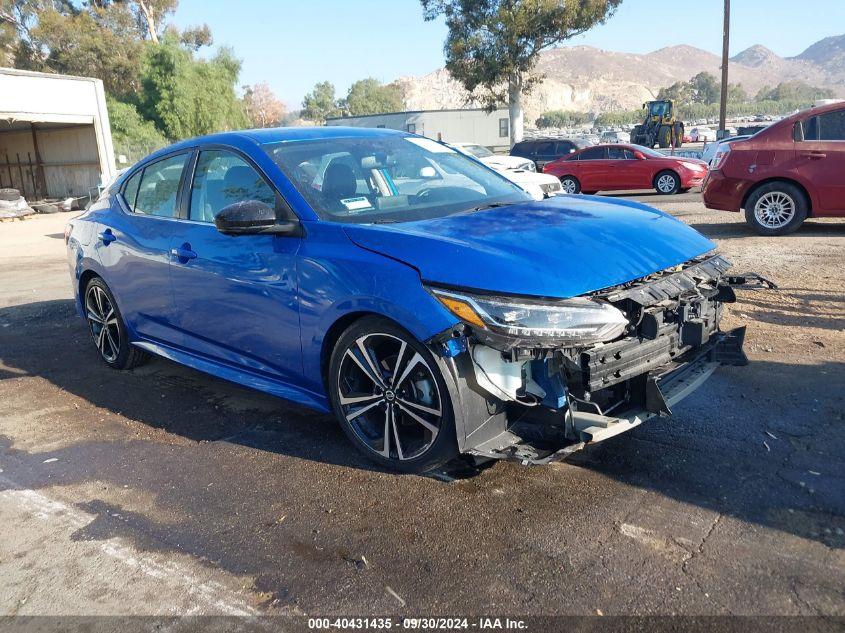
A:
(496, 161)
(537, 185)
(625, 166)
(710, 151)
(610, 137)
(542, 151)
(702, 135)
(427, 323)
(785, 173)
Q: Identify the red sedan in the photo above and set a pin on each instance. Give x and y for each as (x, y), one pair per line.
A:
(615, 167)
(785, 173)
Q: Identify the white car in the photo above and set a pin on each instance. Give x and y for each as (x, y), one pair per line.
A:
(702, 135)
(496, 161)
(524, 174)
(537, 185)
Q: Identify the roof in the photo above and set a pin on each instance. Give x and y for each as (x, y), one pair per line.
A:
(278, 135)
(32, 73)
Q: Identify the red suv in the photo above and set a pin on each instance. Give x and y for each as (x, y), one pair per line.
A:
(789, 171)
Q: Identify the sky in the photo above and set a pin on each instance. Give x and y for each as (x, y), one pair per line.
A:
(293, 44)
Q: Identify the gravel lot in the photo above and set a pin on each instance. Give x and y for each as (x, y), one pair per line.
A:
(165, 491)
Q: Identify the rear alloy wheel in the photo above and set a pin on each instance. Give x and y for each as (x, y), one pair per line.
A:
(777, 208)
(390, 397)
(667, 183)
(570, 184)
(107, 328)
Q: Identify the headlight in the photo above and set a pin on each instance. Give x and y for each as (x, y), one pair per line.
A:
(692, 166)
(529, 166)
(571, 321)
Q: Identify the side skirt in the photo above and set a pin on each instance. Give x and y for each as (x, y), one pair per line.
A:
(237, 375)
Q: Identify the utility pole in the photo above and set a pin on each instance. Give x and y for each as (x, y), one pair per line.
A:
(723, 101)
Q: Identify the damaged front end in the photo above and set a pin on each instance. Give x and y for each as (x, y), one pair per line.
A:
(536, 380)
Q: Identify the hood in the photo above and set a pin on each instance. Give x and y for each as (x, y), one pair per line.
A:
(684, 159)
(560, 247)
(500, 161)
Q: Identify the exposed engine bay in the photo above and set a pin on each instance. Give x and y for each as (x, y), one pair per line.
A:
(541, 402)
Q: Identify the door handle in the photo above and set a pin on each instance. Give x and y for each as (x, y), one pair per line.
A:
(106, 237)
(815, 155)
(183, 252)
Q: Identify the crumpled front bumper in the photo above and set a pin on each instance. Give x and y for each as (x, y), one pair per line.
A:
(544, 436)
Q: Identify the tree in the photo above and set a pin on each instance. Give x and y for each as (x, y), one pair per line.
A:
(187, 97)
(132, 135)
(369, 96)
(737, 94)
(561, 118)
(262, 106)
(96, 43)
(320, 104)
(794, 91)
(151, 14)
(493, 45)
(705, 88)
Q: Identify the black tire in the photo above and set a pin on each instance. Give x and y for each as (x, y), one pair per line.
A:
(761, 208)
(117, 354)
(679, 134)
(664, 136)
(635, 134)
(10, 195)
(571, 182)
(389, 345)
(661, 182)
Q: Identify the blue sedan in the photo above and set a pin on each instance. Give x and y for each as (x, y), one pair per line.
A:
(426, 301)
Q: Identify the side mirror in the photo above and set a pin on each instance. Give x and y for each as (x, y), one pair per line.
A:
(253, 217)
(639, 155)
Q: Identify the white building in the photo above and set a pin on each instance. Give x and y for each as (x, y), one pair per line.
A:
(55, 139)
(452, 126)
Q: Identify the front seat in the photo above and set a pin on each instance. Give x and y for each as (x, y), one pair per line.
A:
(339, 182)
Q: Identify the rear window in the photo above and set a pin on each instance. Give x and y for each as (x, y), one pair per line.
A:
(522, 149)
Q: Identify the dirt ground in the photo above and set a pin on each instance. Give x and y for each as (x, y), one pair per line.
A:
(165, 491)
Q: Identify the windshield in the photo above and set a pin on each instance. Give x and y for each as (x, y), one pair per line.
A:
(389, 178)
(648, 151)
(476, 150)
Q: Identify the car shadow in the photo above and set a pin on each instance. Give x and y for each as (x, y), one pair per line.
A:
(764, 443)
(733, 229)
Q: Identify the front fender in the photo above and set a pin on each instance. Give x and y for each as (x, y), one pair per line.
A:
(338, 279)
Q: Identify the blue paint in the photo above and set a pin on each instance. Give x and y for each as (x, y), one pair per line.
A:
(257, 309)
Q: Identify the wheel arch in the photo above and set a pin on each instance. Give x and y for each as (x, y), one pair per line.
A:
(664, 170)
(807, 197)
(84, 279)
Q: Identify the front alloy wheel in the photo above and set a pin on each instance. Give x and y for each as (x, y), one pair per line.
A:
(570, 184)
(667, 183)
(390, 398)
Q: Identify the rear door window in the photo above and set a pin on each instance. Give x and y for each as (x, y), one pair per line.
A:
(832, 126)
(159, 187)
(619, 153)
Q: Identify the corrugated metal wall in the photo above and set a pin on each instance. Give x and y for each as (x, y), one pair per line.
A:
(68, 154)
